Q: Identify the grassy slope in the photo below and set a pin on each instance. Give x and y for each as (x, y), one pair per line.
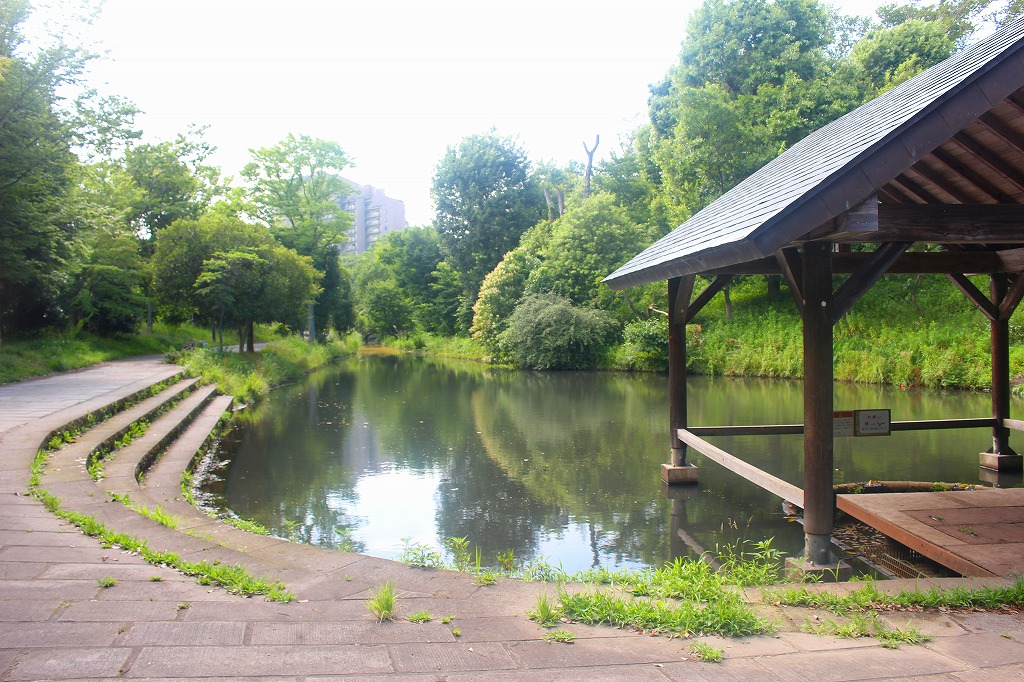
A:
(50, 353)
(907, 331)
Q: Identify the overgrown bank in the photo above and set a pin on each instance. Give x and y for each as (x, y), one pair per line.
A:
(907, 331)
(250, 376)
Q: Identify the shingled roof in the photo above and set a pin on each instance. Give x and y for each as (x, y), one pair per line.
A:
(888, 146)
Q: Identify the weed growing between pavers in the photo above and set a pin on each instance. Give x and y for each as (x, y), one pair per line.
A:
(234, 579)
(383, 602)
(158, 514)
(728, 616)
(707, 653)
(561, 636)
(870, 597)
(867, 625)
(420, 617)
(547, 614)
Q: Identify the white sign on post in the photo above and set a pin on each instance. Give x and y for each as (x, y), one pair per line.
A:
(861, 423)
(872, 423)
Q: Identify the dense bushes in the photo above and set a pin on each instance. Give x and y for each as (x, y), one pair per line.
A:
(548, 332)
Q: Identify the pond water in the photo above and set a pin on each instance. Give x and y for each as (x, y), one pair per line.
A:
(560, 466)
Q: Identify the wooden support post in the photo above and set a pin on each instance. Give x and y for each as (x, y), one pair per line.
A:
(818, 377)
(678, 470)
(1001, 457)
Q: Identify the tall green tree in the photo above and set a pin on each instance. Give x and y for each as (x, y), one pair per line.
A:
(296, 188)
(485, 198)
(38, 237)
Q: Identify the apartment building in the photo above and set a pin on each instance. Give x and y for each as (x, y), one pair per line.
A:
(374, 215)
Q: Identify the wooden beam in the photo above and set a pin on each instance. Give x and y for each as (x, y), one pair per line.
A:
(787, 491)
(1012, 299)
(866, 277)
(951, 223)
(891, 194)
(789, 263)
(990, 159)
(911, 263)
(705, 296)
(679, 302)
(819, 503)
(968, 174)
(942, 183)
(917, 190)
(796, 429)
(1014, 424)
(998, 128)
(1000, 336)
(974, 295)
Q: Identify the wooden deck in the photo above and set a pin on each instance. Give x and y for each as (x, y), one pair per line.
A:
(973, 532)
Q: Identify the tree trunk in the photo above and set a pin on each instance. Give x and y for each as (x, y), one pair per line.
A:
(252, 337)
(728, 303)
(551, 207)
(590, 166)
(561, 202)
(774, 288)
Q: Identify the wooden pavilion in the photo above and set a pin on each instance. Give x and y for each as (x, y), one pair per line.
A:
(926, 178)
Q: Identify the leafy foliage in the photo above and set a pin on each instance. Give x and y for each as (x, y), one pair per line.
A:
(547, 332)
(485, 199)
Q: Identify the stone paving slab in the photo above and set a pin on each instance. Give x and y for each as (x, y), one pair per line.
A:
(365, 632)
(221, 661)
(857, 664)
(180, 633)
(452, 657)
(69, 663)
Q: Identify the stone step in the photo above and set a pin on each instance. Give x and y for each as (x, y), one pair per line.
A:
(69, 463)
(123, 467)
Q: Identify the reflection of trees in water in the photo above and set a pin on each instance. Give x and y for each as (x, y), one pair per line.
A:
(525, 456)
(293, 476)
(582, 445)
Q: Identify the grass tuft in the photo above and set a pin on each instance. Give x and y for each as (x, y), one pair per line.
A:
(383, 602)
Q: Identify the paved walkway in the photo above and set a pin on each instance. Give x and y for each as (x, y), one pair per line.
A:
(57, 623)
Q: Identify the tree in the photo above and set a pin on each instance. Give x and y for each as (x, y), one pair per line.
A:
(485, 199)
(182, 249)
(149, 186)
(297, 189)
(547, 332)
(107, 295)
(38, 239)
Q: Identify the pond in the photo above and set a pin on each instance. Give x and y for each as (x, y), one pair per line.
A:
(559, 466)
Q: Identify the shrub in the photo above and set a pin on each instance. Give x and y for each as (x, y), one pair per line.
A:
(547, 332)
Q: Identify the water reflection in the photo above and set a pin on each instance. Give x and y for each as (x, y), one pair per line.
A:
(563, 466)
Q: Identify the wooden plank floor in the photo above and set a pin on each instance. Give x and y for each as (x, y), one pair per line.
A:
(973, 532)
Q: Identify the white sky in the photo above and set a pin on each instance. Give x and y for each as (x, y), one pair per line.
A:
(394, 82)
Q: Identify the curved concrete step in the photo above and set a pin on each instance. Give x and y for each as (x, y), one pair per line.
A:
(123, 466)
(69, 463)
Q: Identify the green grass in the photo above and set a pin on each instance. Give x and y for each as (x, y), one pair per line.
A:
(235, 578)
(420, 617)
(866, 625)
(249, 377)
(106, 581)
(560, 635)
(48, 353)
(707, 653)
(728, 616)
(870, 597)
(546, 613)
(383, 602)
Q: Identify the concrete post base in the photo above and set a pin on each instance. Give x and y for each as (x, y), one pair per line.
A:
(677, 475)
(1007, 462)
(799, 570)
(1000, 479)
